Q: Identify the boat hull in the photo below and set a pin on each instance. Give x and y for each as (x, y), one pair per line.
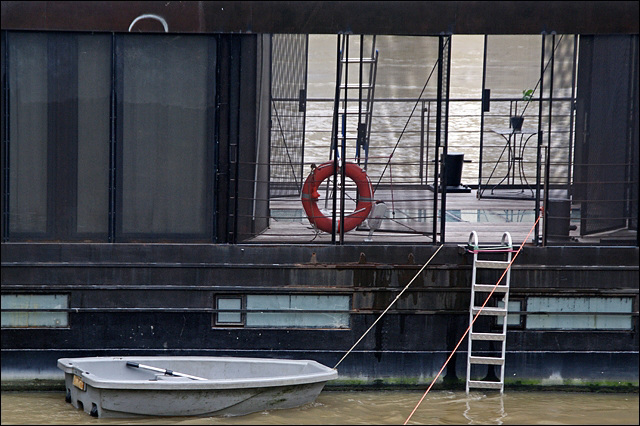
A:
(107, 387)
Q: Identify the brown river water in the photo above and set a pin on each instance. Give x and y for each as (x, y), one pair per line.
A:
(370, 407)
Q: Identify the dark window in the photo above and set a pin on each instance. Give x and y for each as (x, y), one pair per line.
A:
(108, 141)
(94, 88)
(166, 122)
(58, 138)
(28, 134)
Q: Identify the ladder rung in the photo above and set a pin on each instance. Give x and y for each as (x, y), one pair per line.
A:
(358, 60)
(485, 360)
(485, 385)
(355, 112)
(490, 311)
(489, 287)
(355, 86)
(488, 336)
(491, 264)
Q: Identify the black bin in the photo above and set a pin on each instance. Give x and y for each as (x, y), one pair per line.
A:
(558, 218)
(453, 162)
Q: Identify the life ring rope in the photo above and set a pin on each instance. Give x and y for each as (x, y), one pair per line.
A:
(310, 197)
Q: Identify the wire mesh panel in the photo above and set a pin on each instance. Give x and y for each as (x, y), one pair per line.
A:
(557, 123)
(288, 109)
(441, 179)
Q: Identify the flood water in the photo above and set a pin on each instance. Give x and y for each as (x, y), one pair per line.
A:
(370, 407)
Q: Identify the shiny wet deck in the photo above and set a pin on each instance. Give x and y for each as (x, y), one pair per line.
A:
(490, 218)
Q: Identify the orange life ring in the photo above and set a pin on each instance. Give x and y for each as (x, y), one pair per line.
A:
(310, 197)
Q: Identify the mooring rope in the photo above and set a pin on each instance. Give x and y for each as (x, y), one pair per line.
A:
(388, 307)
(474, 320)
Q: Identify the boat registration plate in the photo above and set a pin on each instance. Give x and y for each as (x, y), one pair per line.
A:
(77, 382)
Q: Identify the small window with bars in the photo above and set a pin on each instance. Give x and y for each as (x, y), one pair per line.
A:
(229, 311)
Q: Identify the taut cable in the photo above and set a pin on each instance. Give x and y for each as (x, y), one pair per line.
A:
(388, 307)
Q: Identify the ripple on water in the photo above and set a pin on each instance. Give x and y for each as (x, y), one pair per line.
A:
(382, 407)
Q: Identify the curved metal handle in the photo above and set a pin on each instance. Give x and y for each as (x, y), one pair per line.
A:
(506, 236)
(473, 236)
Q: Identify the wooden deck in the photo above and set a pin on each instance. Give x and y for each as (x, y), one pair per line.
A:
(490, 218)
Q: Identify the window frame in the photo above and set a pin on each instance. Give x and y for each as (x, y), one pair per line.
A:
(216, 319)
(585, 314)
(521, 313)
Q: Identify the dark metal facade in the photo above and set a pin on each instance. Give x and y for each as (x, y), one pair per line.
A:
(328, 17)
(121, 305)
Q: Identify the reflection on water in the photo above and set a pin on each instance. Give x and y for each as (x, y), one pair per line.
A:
(381, 407)
(405, 73)
(406, 67)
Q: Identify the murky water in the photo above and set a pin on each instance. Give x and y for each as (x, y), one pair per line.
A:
(379, 407)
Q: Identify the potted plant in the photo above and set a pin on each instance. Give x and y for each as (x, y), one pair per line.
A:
(517, 120)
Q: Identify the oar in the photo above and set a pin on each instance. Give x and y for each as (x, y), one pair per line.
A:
(162, 370)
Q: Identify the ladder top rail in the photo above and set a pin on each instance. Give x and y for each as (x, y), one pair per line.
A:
(506, 245)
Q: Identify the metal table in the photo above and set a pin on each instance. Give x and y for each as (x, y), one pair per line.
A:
(515, 144)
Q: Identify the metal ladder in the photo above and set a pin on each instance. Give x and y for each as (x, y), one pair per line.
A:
(500, 297)
(361, 92)
(351, 125)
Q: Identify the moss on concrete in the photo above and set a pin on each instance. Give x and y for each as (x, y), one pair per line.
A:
(409, 383)
(396, 383)
(33, 385)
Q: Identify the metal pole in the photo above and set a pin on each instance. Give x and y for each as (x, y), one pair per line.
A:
(334, 141)
(539, 151)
